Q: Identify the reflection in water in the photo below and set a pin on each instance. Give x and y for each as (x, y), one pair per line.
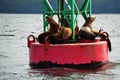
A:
(73, 74)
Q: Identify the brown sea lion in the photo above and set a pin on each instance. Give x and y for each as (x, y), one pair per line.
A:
(42, 37)
(62, 36)
(86, 31)
(56, 33)
(87, 26)
(67, 32)
(54, 28)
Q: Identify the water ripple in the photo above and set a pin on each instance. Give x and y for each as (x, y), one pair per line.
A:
(7, 35)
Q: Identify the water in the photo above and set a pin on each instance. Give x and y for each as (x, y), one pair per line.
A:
(14, 54)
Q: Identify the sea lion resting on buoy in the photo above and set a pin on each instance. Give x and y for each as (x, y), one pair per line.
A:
(54, 28)
(86, 31)
(55, 34)
(62, 36)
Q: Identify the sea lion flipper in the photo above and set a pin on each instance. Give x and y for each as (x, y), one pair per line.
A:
(106, 37)
(109, 44)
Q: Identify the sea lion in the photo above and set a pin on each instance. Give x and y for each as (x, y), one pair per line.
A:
(67, 32)
(42, 37)
(105, 37)
(54, 28)
(60, 33)
(62, 36)
(87, 26)
(86, 31)
(56, 33)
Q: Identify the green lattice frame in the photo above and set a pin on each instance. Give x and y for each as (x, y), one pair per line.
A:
(67, 8)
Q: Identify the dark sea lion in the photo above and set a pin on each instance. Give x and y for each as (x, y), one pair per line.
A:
(56, 33)
(54, 28)
(42, 36)
(106, 38)
(61, 36)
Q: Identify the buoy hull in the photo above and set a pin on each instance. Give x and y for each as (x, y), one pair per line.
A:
(77, 53)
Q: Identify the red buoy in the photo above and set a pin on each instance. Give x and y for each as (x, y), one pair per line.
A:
(73, 53)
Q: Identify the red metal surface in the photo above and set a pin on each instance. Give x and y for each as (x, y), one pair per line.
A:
(77, 53)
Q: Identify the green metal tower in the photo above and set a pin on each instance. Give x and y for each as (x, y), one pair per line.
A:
(66, 10)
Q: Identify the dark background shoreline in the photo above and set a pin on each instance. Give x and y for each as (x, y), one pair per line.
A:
(35, 6)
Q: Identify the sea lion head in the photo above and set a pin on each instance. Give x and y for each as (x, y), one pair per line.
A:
(54, 27)
(50, 20)
(91, 19)
(89, 22)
